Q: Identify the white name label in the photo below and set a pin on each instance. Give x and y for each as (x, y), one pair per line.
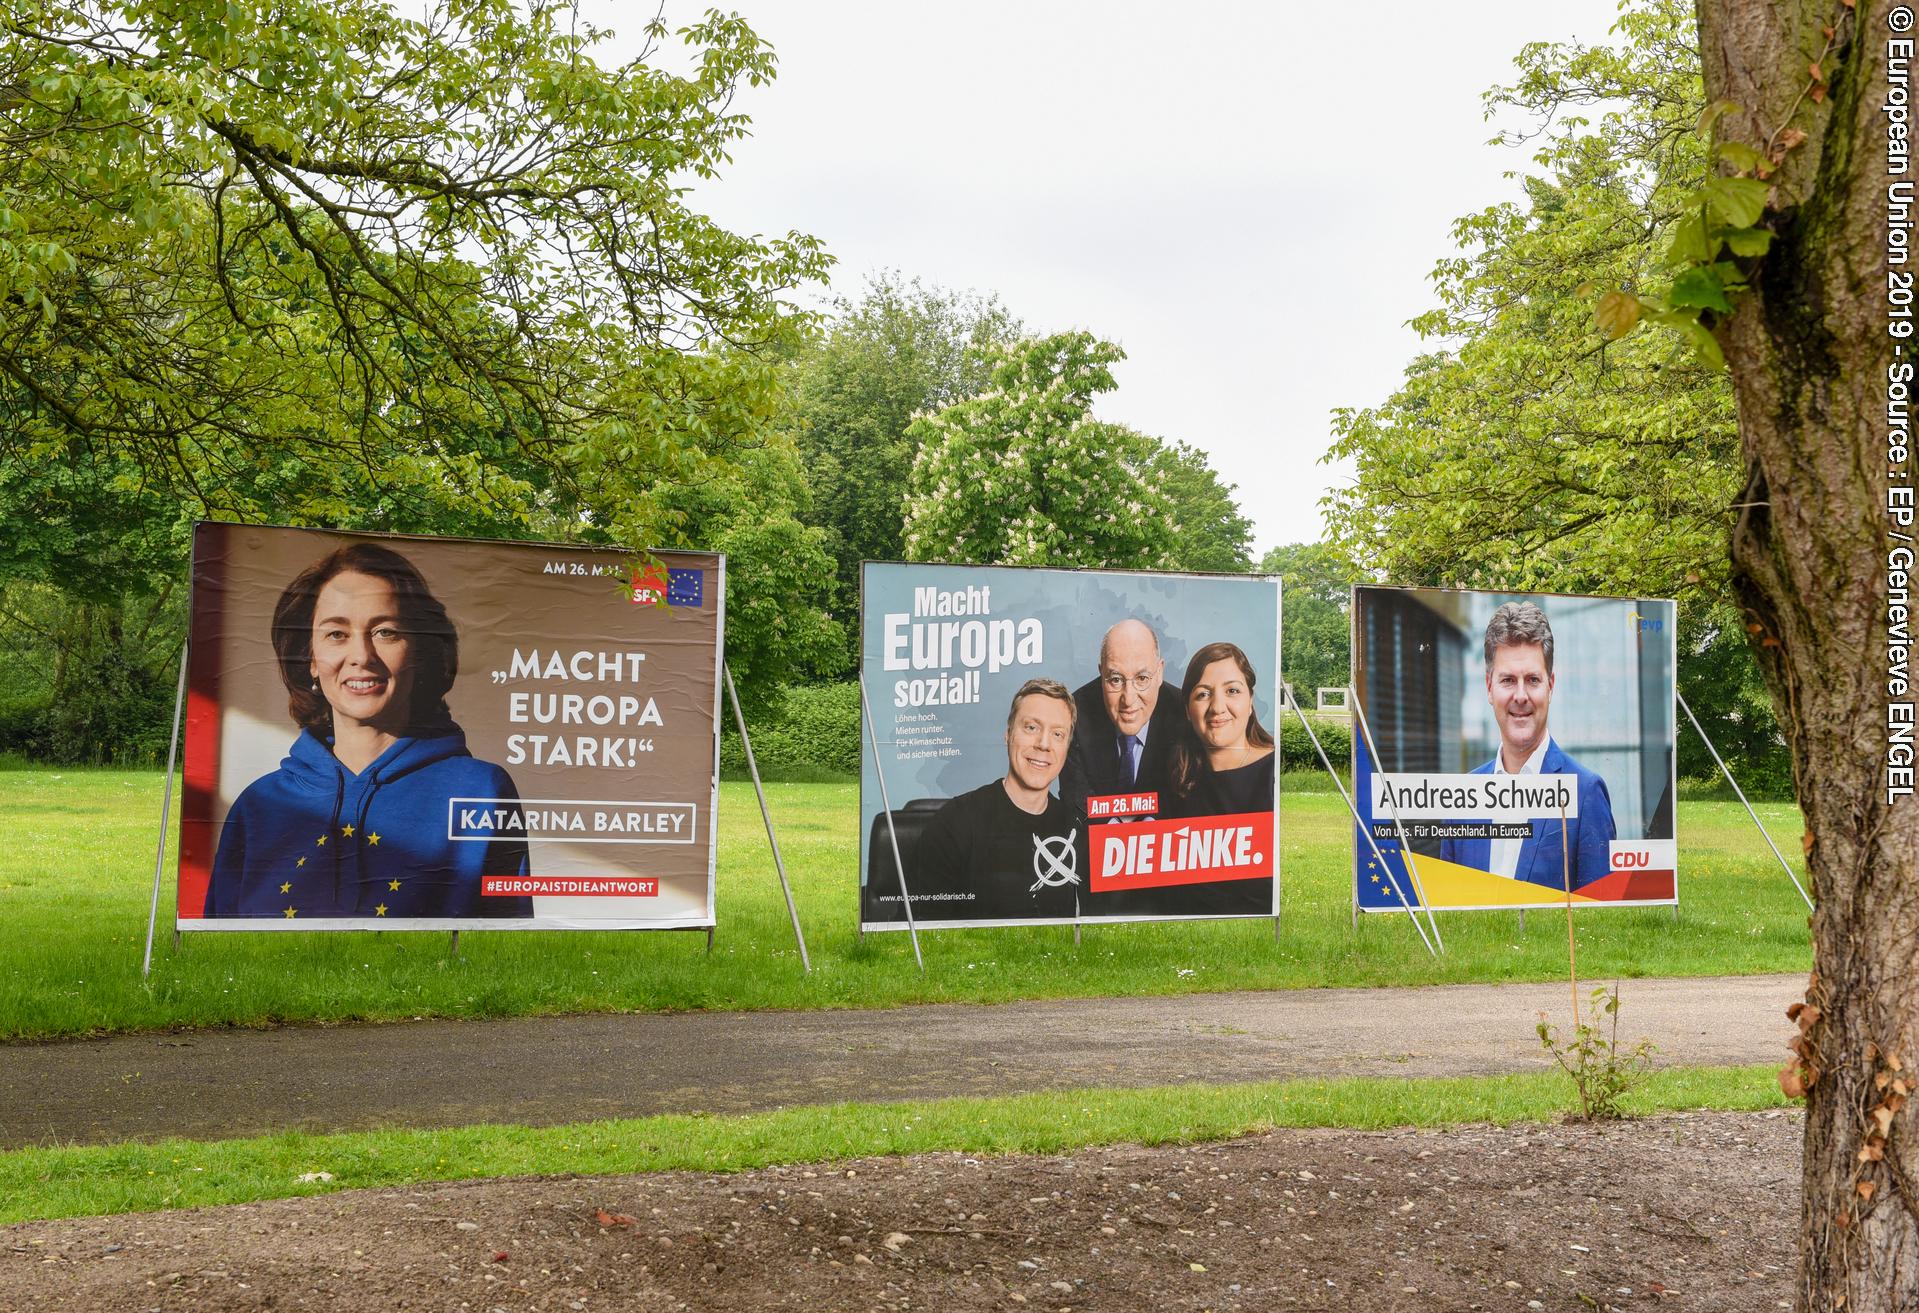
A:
(1474, 797)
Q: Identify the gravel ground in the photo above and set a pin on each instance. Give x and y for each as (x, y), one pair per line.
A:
(1685, 1212)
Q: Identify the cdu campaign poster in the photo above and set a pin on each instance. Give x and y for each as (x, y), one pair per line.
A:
(1526, 748)
(1067, 745)
(404, 733)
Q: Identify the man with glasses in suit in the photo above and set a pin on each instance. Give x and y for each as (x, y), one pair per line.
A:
(1129, 719)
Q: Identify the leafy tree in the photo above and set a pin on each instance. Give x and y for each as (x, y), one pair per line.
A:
(349, 265)
(1531, 451)
(88, 677)
(779, 577)
(1209, 530)
(905, 349)
(1316, 636)
(279, 258)
(1024, 475)
(902, 349)
(1800, 318)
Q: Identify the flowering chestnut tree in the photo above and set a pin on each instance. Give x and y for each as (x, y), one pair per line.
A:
(1022, 474)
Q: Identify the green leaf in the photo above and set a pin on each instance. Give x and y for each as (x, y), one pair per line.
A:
(1705, 345)
(1748, 241)
(1738, 202)
(1740, 156)
(1710, 115)
(1700, 287)
(1691, 244)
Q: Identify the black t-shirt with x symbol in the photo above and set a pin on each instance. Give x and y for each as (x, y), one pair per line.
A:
(983, 859)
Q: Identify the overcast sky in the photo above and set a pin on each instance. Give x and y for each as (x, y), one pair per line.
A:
(1247, 197)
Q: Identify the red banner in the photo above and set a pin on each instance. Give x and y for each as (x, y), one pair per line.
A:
(1197, 850)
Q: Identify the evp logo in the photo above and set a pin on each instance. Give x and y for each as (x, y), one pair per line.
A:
(1646, 624)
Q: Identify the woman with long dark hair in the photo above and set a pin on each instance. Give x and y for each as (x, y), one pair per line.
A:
(1224, 766)
(355, 822)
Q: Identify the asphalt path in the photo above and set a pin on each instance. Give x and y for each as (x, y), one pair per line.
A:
(550, 1070)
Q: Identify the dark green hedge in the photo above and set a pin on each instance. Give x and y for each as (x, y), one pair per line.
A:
(811, 732)
(1296, 750)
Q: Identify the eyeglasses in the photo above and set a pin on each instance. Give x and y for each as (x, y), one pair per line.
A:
(1140, 683)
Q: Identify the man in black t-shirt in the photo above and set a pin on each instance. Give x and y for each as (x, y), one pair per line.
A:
(1008, 850)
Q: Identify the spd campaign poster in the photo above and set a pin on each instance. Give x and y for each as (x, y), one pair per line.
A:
(402, 733)
(1062, 745)
(1526, 745)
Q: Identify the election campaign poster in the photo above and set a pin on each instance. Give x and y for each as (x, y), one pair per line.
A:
(1067, 745)
(1525, 749)
(402, 733)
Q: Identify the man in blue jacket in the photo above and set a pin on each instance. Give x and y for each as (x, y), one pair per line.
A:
(1519, 684)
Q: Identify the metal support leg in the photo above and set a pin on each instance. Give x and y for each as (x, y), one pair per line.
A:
(1405, 844)
(766, 815)
(899, 867)
(1364, 829)
(1741, 793)
(166, 809)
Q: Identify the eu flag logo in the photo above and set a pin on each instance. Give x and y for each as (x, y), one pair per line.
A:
(685, 587)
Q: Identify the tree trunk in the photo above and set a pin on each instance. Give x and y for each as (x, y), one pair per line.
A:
(1809, 349)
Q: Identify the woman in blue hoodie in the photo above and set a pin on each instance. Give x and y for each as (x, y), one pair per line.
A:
(354, 823)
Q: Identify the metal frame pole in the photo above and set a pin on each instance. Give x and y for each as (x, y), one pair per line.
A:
(1572, 941)
(892, 835)
(1742, 802)
(1405, 846)
(752, 767)
(1364, 829)
(166, 810)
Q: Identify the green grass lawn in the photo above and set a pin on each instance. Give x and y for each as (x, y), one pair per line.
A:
(70, 1182)
(77, 863)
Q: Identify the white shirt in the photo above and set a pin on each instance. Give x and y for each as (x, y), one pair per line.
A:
(1505, 858)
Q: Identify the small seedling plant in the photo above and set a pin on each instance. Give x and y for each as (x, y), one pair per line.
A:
(1602, 1072)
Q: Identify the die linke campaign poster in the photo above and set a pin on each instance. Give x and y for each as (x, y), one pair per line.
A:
(401, 733)
(1525, 745)
(1060, 745)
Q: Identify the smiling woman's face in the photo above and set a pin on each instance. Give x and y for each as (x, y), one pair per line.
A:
(362, 660)
(1221, 704)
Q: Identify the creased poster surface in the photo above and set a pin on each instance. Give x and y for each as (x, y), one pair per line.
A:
(425, 733)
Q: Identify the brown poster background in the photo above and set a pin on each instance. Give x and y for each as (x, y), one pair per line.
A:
(531, 619)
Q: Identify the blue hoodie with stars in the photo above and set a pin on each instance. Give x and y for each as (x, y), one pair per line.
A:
(315, 840)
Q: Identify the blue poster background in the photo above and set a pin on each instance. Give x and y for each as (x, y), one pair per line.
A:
(942, 751)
